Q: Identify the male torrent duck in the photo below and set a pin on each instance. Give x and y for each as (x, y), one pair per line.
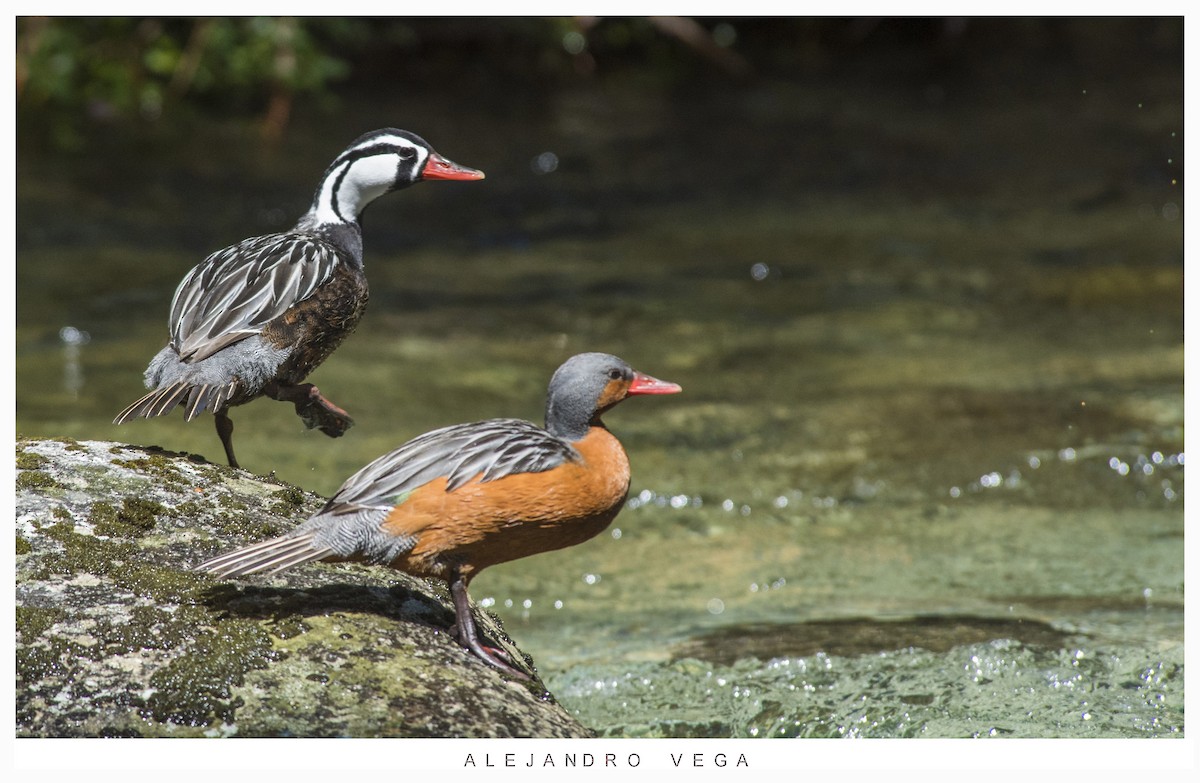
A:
(256, 318)
(456, 500)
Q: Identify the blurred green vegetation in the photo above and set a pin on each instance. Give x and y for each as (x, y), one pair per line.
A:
(75, 71)
(76, 75)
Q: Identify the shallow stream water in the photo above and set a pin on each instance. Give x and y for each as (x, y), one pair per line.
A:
(926, 475)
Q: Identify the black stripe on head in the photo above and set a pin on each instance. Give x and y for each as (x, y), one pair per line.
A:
(348, 158)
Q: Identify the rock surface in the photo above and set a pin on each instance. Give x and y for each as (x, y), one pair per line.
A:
(116, 637)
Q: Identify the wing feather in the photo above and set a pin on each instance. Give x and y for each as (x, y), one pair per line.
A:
(489, 449)
(237, 291)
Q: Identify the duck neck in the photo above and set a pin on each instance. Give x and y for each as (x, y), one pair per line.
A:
(565, 421)
(350, 184)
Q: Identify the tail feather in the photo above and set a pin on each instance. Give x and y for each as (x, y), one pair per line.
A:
(221, 396)
(197, 400)
(273, 555)
(156, 403)
(164, 399)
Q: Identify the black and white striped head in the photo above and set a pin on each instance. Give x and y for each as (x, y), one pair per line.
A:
(588, 384)
(377, 163)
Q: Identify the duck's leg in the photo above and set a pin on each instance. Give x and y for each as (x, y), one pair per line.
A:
(225, 433)
(313, 409)
(467, 634)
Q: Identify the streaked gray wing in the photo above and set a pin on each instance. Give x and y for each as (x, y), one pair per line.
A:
(493, 448)
(235, 292)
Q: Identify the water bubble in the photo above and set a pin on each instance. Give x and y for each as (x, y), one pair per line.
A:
(544, 163)
(558, 604)
(488, 602)
(955, 492)
(645, 496)
(616, 532)
(759, 271)
(527, 604)
(591, 579)
(1156, 457)
(715, 606)
(1034, 462)
(1170, 211)
(679, 501)
(574, 42)
(745, 510)
(781, 502)
(1067, 454)
(727, 504)
(73, 336)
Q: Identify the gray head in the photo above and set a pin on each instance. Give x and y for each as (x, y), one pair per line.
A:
(587, 385)
(376, 163)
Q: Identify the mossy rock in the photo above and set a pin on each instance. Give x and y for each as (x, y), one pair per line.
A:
(116, 637)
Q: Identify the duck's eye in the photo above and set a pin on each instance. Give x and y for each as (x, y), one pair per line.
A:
(615, 373)
(406, 153)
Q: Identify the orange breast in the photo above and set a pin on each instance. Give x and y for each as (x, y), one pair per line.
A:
(481, 524)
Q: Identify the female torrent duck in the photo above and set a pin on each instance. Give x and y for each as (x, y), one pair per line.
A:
(256, 318)
(456, 500)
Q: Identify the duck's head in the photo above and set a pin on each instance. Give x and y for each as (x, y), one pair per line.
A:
(587, 385)
(377, 163)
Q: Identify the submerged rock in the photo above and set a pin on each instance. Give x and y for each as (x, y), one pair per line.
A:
(116, 637)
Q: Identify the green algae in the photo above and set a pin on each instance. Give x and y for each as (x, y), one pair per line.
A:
(32, 621)
(27, 460)
(136, 517)
(158, 466)
(120, 561)
(36, 479)
(230, 502)
(288, 501)
(195, 689)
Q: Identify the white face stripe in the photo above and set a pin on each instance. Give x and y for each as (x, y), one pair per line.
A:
(356, 179)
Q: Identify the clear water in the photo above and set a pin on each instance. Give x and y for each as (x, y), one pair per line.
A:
(926, 475)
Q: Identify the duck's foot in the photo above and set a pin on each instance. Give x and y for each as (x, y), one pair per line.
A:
(465, 633)
(493, 656)
(314, 410)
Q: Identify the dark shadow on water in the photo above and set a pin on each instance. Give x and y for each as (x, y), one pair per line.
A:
(862, 636)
